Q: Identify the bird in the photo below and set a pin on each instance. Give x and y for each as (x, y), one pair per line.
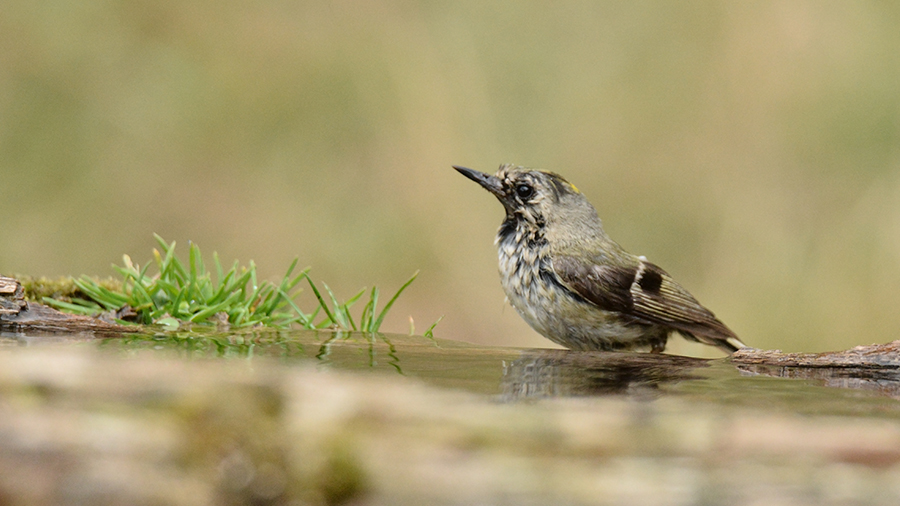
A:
(576, 286)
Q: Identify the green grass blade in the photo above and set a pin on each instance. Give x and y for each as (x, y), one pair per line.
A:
(346, 308)
(209, 311)
(390, 303)
(100, 295)
(429, 334)
(301, 317)
(72, 308)
(339, 312)
(322, 303)
(370, 314)
(365, 319)
(252, 270)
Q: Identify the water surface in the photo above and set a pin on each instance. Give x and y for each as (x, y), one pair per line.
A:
(513, 374)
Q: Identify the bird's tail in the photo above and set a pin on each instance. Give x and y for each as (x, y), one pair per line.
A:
(727, 343)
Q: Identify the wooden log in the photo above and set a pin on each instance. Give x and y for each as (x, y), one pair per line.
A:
(18, 314)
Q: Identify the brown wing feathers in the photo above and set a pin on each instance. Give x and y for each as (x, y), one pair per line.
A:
(646, 293)
(665, 301)
(608, 288)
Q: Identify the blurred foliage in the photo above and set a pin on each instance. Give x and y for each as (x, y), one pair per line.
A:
(751, 149)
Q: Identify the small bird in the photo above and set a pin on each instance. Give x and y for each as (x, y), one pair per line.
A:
(575, 285)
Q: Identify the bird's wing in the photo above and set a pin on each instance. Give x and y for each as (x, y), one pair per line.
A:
(647, 294)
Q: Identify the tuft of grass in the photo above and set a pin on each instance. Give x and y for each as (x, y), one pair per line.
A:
(178, 294)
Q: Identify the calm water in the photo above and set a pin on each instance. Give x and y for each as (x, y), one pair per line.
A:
(511, 374)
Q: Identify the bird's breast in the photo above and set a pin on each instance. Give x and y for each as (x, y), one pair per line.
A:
(548, 306)
(527, 277)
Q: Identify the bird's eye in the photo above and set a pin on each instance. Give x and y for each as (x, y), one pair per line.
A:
(524, 191)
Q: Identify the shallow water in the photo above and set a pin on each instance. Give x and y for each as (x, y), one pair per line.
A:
(512, 374)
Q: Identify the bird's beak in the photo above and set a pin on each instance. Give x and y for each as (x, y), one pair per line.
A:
(489, 182)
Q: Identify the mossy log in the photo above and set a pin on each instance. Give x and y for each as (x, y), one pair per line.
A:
(19, 314)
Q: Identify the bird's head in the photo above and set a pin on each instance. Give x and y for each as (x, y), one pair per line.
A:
(534, 197)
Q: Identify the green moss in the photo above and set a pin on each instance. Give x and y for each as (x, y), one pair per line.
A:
(63, 288)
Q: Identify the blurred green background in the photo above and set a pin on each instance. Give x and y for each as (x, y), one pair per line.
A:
(750, 148)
